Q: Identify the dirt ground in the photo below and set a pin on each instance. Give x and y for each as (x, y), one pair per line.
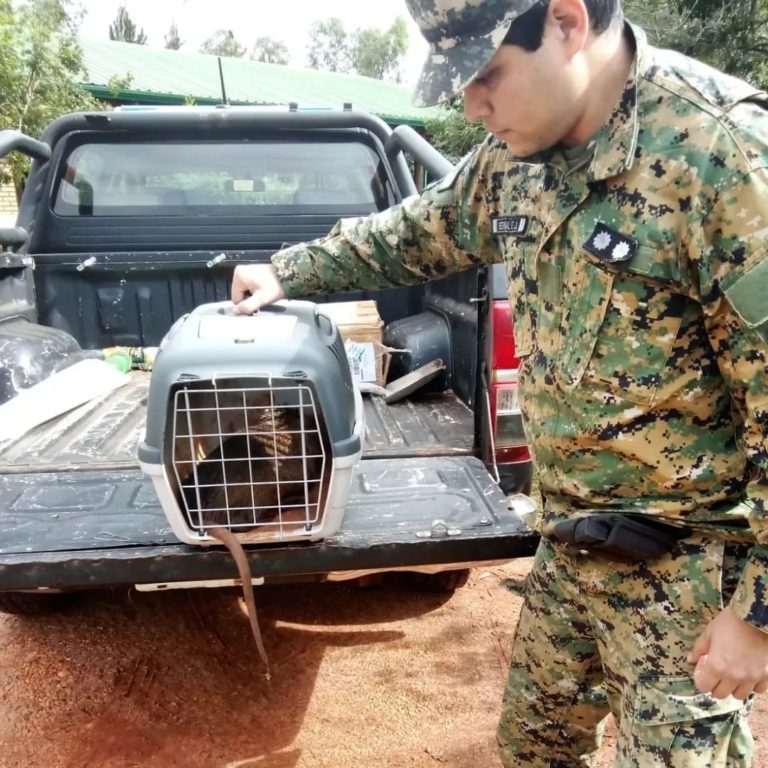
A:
(379, 678)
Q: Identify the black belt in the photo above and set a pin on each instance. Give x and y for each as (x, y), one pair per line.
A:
(620, 537)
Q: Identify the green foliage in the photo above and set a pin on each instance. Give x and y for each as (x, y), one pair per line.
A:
(124, 30)
(731, 35)
(223, 43)
(329, 47)
(270, 51)
(378, 53)
(6, 39)
(117, 84)
(41, 59)
(451, 133)
(370, 52)
(173, 40)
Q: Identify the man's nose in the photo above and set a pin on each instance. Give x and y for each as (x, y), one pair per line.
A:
(476, 104)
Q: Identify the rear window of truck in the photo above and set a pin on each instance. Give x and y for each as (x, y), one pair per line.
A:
(164, 178)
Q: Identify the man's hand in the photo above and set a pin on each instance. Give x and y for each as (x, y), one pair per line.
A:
(731, 658)
(254, 286)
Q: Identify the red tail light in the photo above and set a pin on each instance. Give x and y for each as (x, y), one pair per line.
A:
(506, 419)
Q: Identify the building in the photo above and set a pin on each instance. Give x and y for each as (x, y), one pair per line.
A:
(125, 73)
(7, 203)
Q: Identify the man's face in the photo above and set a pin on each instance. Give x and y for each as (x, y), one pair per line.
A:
(530, 100)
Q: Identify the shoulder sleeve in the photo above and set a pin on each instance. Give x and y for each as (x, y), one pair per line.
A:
(732, 265)
(443, 230)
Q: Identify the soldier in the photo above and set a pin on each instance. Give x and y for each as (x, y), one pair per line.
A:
(625, 188)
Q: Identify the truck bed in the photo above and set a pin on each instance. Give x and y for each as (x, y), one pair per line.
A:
(103, 434)
(77, 512)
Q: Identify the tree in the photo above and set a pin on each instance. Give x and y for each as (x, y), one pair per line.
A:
(370, 52)
(40, 64)
(329, 46)
(123, 29)
(379, 54)
(270, 51)
(223, 43)
(731, 35)
(173, 40)
(451, 133)
(119, 83)
(6, 30)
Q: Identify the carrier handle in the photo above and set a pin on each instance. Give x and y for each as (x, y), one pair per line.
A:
(328, 330)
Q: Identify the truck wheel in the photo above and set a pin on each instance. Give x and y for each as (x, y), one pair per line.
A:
(33, 604)
(446, 582)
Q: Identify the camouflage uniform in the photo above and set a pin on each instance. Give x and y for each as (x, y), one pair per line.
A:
(639, 289)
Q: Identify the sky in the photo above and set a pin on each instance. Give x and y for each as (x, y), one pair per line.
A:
(286, 20)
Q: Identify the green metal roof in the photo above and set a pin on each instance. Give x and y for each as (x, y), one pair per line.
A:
(161, 76)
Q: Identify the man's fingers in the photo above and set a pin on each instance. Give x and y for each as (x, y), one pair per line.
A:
(708, 681)
(723, 689)
(743, 692)
(239, 292)
(735, 659)
(701, 646)
(239, 295)
(253, 286)
(250, 305)
(703, 677)
(240, 288)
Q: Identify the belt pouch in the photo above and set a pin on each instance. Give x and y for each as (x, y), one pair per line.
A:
(618, 537)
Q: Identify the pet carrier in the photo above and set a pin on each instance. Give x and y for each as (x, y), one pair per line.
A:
(253, 424)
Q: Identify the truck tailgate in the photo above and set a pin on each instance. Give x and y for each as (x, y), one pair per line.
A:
(87, 529)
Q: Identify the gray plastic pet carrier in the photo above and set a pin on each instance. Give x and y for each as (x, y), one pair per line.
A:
(253, 424)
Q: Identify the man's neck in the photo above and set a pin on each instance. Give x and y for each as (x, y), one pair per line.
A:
(610, 62)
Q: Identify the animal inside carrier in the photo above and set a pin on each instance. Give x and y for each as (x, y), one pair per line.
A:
(253, 425)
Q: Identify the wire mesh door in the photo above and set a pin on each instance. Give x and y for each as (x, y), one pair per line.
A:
(249, 455)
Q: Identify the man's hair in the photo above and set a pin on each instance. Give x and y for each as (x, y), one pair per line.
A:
(527, 30)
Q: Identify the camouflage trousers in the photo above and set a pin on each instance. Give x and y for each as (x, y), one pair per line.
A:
(597, 636)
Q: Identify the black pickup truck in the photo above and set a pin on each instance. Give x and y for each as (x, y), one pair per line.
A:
(131, 218)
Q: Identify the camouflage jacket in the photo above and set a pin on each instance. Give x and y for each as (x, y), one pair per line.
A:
(639, 289)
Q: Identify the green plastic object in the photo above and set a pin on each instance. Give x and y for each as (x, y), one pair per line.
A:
(121, 361)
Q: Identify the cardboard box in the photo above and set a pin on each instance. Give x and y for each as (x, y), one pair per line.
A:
(361, 329)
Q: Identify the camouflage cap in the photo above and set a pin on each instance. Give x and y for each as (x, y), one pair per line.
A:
(463, 36)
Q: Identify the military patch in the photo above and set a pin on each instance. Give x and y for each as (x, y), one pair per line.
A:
(611, 246)
(748, 295)
(510, 225)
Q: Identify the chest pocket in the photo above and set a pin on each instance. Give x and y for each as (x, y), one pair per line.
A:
(620, 329)
(528, 198)
(519, 258)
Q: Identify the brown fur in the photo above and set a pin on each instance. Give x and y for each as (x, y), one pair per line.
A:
(269, 459)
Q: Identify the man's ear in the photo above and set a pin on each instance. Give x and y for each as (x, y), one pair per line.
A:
(569, 21)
